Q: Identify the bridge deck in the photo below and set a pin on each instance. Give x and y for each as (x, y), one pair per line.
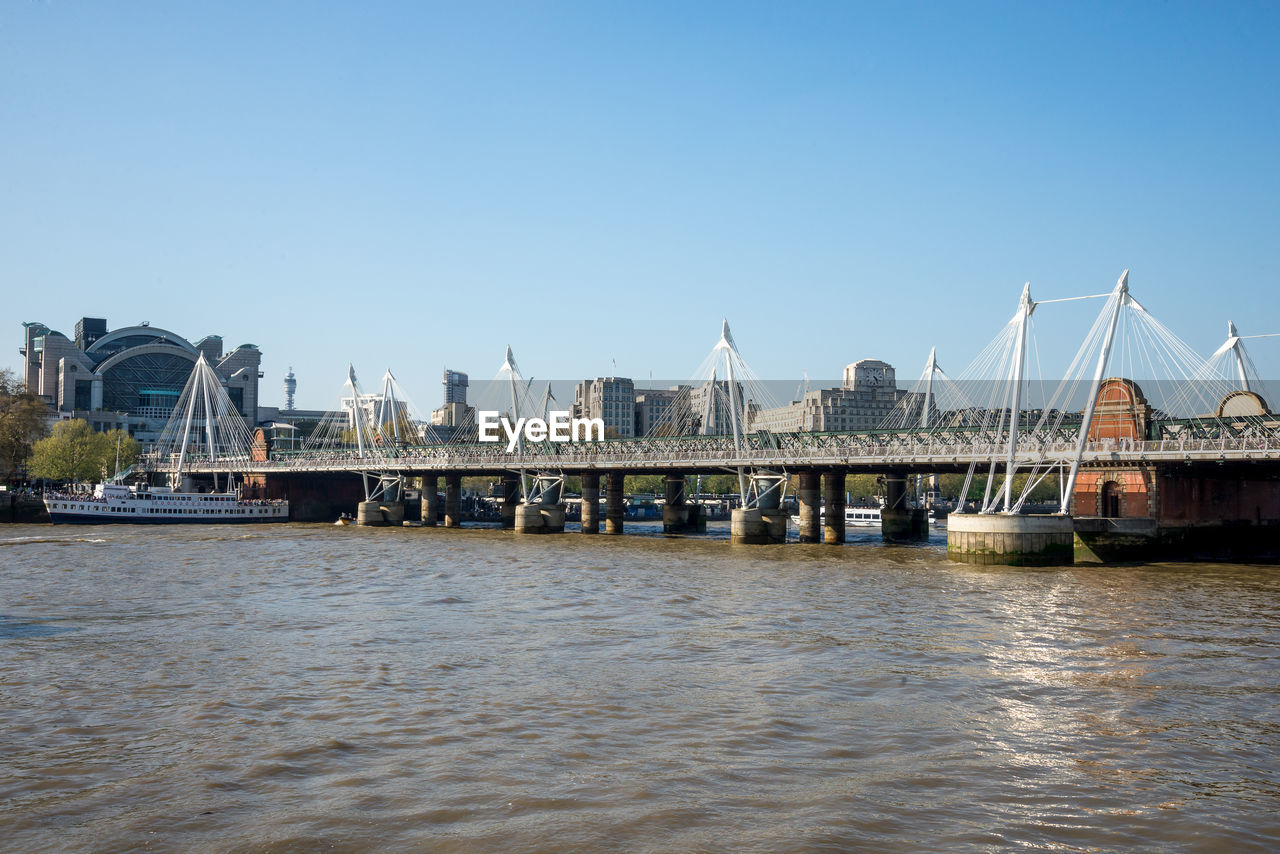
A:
(934, 453)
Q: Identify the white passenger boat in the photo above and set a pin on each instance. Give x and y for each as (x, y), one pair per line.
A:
(869, 517)
(862, 517)
(854, 517)
(113, 503)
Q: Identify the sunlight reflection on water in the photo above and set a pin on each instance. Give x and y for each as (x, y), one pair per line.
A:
(294, 687)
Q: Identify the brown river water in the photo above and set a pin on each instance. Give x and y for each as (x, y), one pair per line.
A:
(309, 687)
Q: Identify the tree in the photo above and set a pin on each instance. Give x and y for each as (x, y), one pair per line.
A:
(720, 484)
(22, 422)
(74, 452)
(118, 443)
(644, 484)
(1046, 490)
(863, 487)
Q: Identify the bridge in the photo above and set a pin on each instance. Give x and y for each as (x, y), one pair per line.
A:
(1115, 454)
(923, 453)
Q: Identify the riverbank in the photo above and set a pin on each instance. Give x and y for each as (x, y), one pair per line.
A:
(22, 508)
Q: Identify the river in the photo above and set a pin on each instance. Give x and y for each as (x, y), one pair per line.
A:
(306, 687)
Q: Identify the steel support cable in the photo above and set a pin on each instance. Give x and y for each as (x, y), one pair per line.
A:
(1054, 410)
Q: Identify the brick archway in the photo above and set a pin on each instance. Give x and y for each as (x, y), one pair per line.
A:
(1111, 500)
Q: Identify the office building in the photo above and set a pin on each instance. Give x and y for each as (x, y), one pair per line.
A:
(611, 399)
(864, 400)
(663, 411)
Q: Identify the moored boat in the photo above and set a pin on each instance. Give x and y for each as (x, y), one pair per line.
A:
(870, 517)
(114, 503)
(854, 517)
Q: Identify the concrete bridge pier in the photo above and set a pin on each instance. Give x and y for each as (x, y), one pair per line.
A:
(553, 518)
(747, 527)
(678, 515)
(546, 514)
(590, 502)
(764, 523)
(388, 510)
(769, 501)
(614, 507)
(1004, 540)
(810, 496)
(453, 501)
(379, 513)
(899, 522)
(430, 500)
(833, 514)
(756, 527)
(551, 485)
(528, 519)
(368, 515)
(510, 499)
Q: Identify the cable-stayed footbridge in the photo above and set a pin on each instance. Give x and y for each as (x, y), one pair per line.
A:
(1133, 401)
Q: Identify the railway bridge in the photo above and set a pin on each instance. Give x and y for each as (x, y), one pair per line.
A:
(1193, 471)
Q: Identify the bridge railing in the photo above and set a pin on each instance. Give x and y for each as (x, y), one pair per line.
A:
(772, 450)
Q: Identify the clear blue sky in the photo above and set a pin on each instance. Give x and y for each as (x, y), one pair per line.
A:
(418, 184)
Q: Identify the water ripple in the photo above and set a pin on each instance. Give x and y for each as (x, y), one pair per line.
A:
(307, 687)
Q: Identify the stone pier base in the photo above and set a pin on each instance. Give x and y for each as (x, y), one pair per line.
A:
(908, 525)
(1103, 540)
(527, 519)
(614, 504)
(510, 499)
(1142, 538)
(775, 524)
(755, 528)
(553, 518)
(590, 503)
(833, 512)
(899, 522)
(810, 507)
(684, 519)
(430, 500)
(453, 501)
(539, 518)
(379, 513)
(1010, 540)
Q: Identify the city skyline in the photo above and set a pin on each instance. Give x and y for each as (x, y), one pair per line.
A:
(419, 186)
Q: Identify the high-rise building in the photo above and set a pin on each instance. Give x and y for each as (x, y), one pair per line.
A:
(455, 387)
(455, 414)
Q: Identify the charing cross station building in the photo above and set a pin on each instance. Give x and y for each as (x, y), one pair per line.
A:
(130, 378)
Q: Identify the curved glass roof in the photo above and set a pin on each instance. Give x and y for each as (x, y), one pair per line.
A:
(147, 381)
(134, 336)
